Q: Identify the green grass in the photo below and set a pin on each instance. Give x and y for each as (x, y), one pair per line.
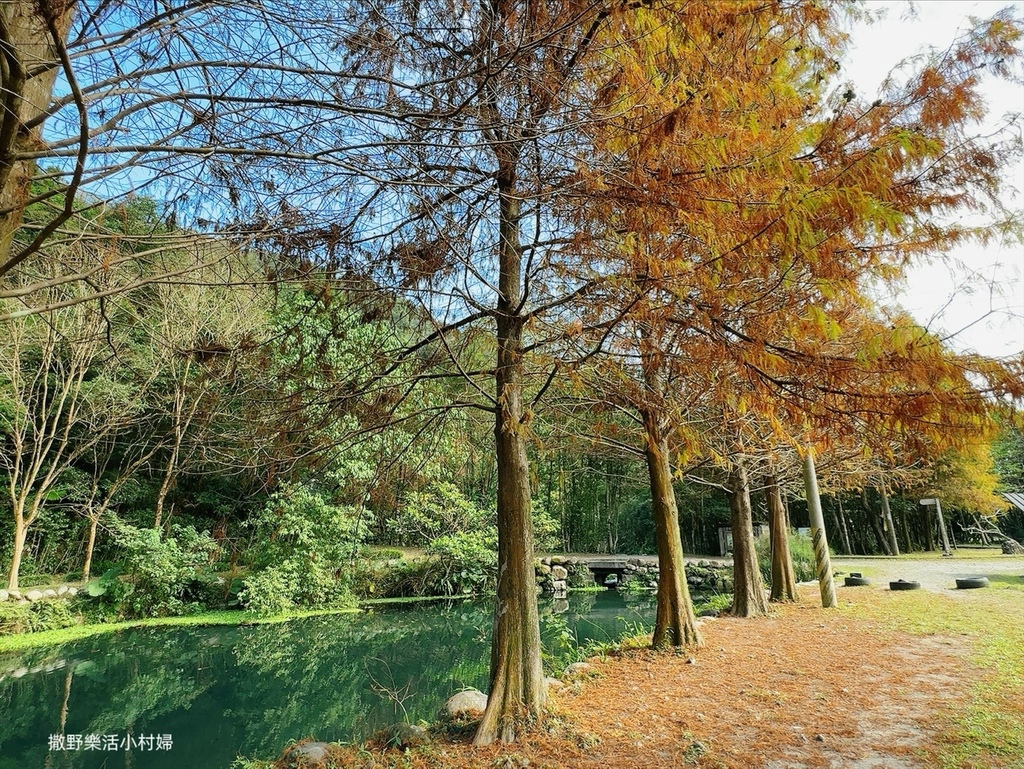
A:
(987, 730)
(23, 641)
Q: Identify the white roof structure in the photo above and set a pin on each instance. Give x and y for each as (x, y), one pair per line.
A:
(1016, 499)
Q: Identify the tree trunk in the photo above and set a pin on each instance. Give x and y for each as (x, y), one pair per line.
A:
(929, 529)
(27, 48)
(822, 561)
(94, 521)
(906, 531)
(843, 531)
(748, 596)
(942, 527)
(166, 485)
(20, 534)
(981, 532)
(873, 519)
(783, 576)
(890, 526)
(675, 623)
(518, 691)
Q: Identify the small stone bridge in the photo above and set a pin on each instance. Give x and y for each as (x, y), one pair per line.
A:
(556, 573)
(604, 566)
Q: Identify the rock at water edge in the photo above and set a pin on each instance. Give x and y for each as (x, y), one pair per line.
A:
(470, 701)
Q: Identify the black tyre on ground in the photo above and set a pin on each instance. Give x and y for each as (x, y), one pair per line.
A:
(857, 581)
(902, 584)
(971, 583)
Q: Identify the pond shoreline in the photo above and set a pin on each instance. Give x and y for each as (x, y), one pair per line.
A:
(21, 641)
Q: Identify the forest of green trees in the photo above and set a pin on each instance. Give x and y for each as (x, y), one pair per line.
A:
(202, 438)
(284, 287)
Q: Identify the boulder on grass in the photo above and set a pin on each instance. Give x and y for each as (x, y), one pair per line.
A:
(1012, 547)
(307, 755)
(405, 735)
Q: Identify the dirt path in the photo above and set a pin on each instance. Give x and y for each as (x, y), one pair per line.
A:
(801, 688)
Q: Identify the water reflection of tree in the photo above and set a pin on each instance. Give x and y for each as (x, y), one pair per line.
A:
(117, 684)
(316, 667)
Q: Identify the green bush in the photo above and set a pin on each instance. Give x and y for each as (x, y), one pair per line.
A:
(425, 515)
(270, 591)
(303, 548)
(159, 576)
(383, 554)
(461, 564)
(801, 551)
(372, 578)
(33, 617)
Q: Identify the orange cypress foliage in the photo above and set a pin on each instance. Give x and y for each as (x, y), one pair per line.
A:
(742, 210)
(739, 205)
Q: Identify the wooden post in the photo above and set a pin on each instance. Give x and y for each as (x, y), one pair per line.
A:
(818, 537)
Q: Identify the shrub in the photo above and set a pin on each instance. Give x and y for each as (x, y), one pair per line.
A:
(34, 617)
(303, 547)
(372, 578)
(161, 576)
(440, 508)
(461, 564)
(270, 591)
(801, 551)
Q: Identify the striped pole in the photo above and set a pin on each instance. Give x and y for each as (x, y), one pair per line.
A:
(820, 541)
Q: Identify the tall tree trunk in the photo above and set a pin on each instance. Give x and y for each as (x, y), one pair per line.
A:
(880, 539)
(90, 544)
(168, 481)
(783, 575)
(675, 623)
(942, 527)
(30, 65)
(905, 524)
(929, 529)
(843, 531)
(890, 525)
(749, 595)
(822, 561)
(20, 534)
(839, 529)
(518, 691)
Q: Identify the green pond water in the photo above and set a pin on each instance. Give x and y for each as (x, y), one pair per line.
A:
(220, 692)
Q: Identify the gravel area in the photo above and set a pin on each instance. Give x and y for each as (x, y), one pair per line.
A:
(938, 574)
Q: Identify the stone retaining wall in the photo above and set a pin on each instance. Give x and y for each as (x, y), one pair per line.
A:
(32, 595)
(558, 573)
(701, 576)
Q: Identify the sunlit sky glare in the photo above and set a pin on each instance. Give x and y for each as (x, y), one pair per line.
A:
(977, 293)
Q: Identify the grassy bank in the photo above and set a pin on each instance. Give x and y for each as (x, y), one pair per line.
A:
(23, 641)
